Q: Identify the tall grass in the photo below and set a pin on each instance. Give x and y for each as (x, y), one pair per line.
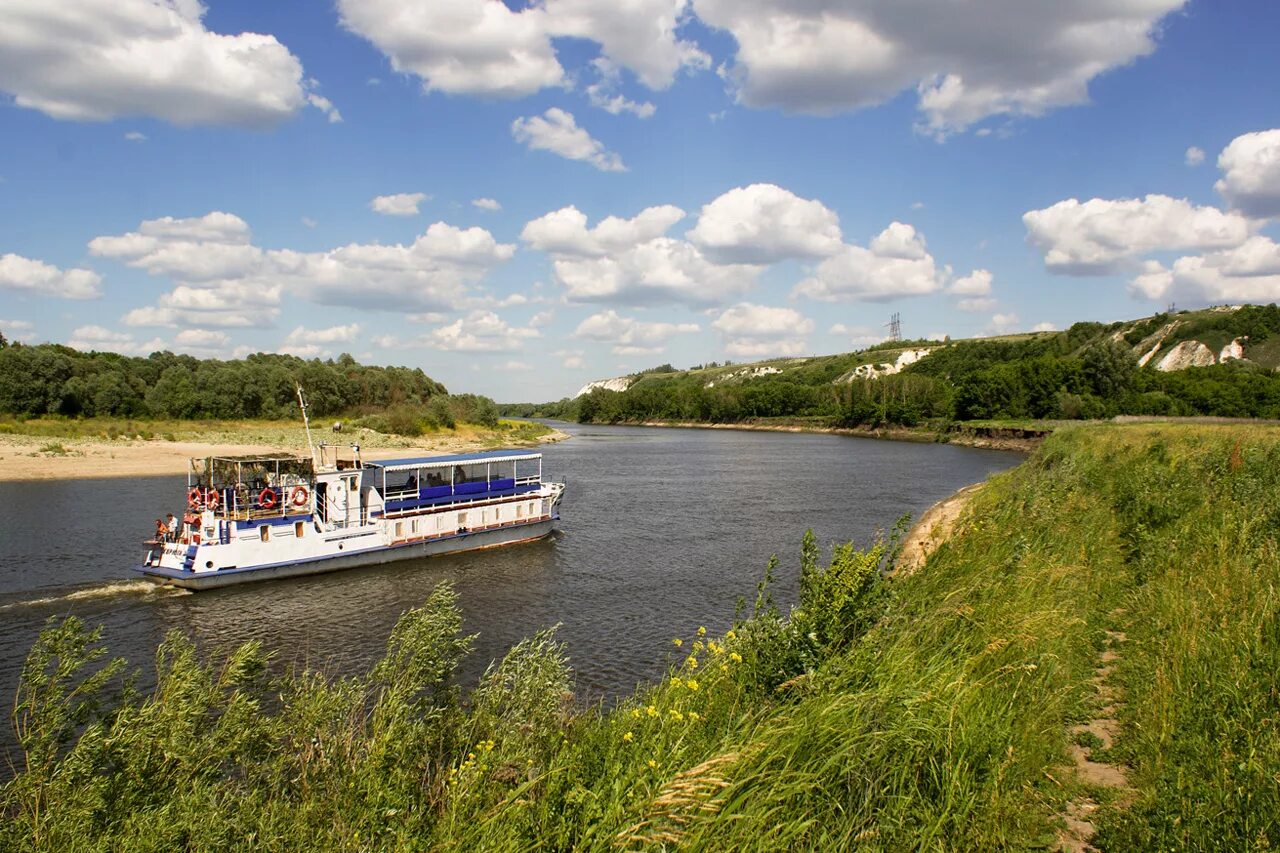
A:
(928, 712)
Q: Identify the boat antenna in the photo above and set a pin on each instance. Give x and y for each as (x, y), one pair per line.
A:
(306, 423)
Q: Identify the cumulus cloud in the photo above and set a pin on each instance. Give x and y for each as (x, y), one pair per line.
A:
(92, 60)
(18, 330)
(628, 335)
(603, 93)
(976, 304)
(1044, 327)
(35, 277)
(398, 204)
(760, 330)
(571, 359)
(557, 132)
(1249, 272)
(1194, 156)
(976, 283)
(486, 204)
(1250, 167)
(897, 263)
(480, 331)
(1009, 58)
(630, 261)
(1102, 236)
(473, 47)
(136, 136)
(224, 281)
(1003, 324)
(100, 339)
(482, 47)
(764, 223)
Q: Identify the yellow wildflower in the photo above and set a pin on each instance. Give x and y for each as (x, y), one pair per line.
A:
(628, 737)
(692, 662)
(702, 631)
(651, 711)
(724, 667)
(652, 763)
(676, 715)
(694, 716)
(677, 641)
(676, 682)
(691, 684)
(635, 712)
(731, 635)
(735, 657)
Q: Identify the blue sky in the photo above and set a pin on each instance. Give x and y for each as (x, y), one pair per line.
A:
(206, 178)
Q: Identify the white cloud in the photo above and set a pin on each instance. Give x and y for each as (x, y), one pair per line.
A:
(136, 136)
(557, 132)
(761, 330)
(976, 304)
(486, 204)
(97, 338)
(565, 231)
(34, 277)
(1008, 58)
(976, 283)
(859, 336)
(205, 343)
(1251, 174)
(1044, 327)
(480, 331)
(513, 364)
(541, 319)
(18, 330)
(572, 359)
(603, 95)
(398, 204)
(1101, 236)
(1002, 324)
(630, 336)
(309, 222)
(764, 223)
(324, 105)
(332, 335)
(473, 47)
(1247, 273)
(896, 264)
(92, 60)
(224, 281)
(482, 47)
(1194, 156)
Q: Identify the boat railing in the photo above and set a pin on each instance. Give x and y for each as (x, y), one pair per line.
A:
(418, 507)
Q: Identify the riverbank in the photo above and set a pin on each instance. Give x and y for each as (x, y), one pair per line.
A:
(1124, 575)
(1019, 439)
(54, 457)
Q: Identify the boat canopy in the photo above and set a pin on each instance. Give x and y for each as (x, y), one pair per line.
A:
(392, 465)
(220, 471)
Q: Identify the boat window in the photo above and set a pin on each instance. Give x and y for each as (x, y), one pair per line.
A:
(414, 525)
(474, 473)
(351, 484)
(462, 519)
(399, 529)
(298, 529)
(264, 532)
(519, 510)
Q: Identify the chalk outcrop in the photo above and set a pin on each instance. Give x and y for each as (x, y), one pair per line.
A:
(875, 371)
(1187, 354)
(1232, 351)
(745, 373)
(620, 383)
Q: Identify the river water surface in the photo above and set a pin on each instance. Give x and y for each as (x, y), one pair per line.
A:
(662, 530)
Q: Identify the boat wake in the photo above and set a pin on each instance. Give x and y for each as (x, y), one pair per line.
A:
(118, 589)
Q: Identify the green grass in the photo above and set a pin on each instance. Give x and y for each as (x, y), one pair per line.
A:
(927, 712)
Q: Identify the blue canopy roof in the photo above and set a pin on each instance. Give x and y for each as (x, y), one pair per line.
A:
(456, 459)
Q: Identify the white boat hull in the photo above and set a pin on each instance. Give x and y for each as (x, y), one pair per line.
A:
(372, 556)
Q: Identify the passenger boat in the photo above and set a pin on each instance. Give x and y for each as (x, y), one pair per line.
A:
(257, 518)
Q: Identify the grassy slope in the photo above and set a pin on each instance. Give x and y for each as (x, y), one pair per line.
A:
(942, 727)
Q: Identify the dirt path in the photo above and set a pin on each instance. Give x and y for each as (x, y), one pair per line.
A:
(1092, 740)
(933, 528)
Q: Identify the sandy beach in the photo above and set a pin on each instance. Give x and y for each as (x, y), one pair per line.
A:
(27, 457)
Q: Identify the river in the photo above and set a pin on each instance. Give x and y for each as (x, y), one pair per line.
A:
(662, 531)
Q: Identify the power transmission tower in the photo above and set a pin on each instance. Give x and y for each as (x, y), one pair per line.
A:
(895, 327)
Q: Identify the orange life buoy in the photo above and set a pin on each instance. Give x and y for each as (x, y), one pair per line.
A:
(267, 498)
(194, 498)
(211, 499)
(299, 496)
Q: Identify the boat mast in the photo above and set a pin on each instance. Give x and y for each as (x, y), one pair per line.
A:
(306, 423)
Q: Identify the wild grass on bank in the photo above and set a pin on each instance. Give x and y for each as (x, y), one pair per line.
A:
(927, 712)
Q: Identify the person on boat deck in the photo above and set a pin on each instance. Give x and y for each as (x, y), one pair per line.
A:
(161, 530)
(173, 528)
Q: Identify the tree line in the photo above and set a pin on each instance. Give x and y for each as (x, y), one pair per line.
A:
(50, 379)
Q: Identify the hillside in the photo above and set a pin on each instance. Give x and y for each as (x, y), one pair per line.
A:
(1217, 361)
(1111, 603)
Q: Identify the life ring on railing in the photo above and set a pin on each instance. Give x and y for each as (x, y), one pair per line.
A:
(212, 499)
(267, 498)
(194, 498)
(299, 496)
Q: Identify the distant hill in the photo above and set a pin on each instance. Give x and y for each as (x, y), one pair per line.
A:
(1217, 361)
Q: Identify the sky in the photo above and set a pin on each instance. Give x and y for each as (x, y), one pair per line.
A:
(521, 197)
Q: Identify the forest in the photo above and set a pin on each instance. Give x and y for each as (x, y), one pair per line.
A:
(1088, 371)
(49, 379)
